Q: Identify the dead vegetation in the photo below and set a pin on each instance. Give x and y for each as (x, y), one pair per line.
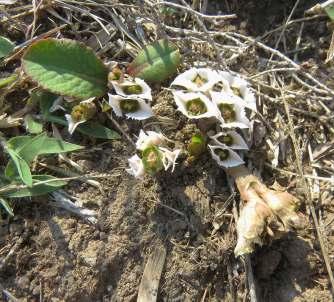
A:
(192, 214)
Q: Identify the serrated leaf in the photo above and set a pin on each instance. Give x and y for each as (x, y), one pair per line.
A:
(6, 47)
(21, 166)
(37, 190)
(156, 62)
(33, 126)
(6, 206)
(66, 67)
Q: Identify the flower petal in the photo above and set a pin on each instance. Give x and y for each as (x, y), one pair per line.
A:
(144, 94)
(136, 166)
(149, 138)
(183, 99)
(144, 111)
(206, 79)
(232, 160)
(238, 142)
(71, 124)
(57, 104)
(169, 157)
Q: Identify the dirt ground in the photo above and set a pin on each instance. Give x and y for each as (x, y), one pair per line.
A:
(64, 258)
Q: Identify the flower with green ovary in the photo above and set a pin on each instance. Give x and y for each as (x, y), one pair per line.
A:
(197, 145)
(225, 156)
(197, 79)
(231, 110)
(152, 160)
(231, 139)
(128, 105)
(196, 107)
(115, 74)
(134, 108)
(83, 112)
(136, 88)
(228, 112)
(239, 88)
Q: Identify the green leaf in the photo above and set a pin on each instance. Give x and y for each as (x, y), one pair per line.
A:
(329, 9)
(37, 190)
(33, 126)
(54, 145)
(6, 47)
(98, 131)
(21, 166)
(6, 206)
(66, 67)
(9, 80)
(156, 62)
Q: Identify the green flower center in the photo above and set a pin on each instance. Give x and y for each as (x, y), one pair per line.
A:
(222, 153)
(199, 81)
(226, 139)
(228, 112)
(236, 91)
(132, 89)
(196, 107)
(152, 160)
(83, 112)
(115, 74)
(129, 106)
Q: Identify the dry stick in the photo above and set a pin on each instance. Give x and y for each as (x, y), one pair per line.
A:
(295, 58)
(285, 58)
(284, 27)
(307, 192)
(192, 11)
(148, 288)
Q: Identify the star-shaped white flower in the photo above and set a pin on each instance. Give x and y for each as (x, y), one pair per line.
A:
(131, 107)
(195, 105)
(230, 139)
(231, 110)
(225, 157)
(134, 89)
(240, 88)
(136, 166)
(197, 79)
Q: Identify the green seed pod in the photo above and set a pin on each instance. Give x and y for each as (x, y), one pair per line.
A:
(129, 105)
(83, 111)
(196, 107)
(152, 160)
(228, 112)
(132, 89)
(226, 139)
(222, 153)
(197, 145)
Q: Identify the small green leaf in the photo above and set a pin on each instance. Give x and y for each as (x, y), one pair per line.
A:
(329, 9)
(156, 62)
(21, 166)
(6, 206)
(6, 47)
(55, 146)
(9, 80)
(33, 126)
(66, 67)
(98, 131)
(37, 190)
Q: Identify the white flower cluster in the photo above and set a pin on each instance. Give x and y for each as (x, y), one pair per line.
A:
(132, 99)
(205, 93)
(155, 156)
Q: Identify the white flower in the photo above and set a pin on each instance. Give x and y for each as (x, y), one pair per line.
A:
(134, 89)
(72, 125)
(231, 139)
(136, 166)
(169, 157)
(197, 79)
(195, 105)
(57, 104)
(131, 107)
(148, 139)
(240, 88)
(231, 110)
(225, 157)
